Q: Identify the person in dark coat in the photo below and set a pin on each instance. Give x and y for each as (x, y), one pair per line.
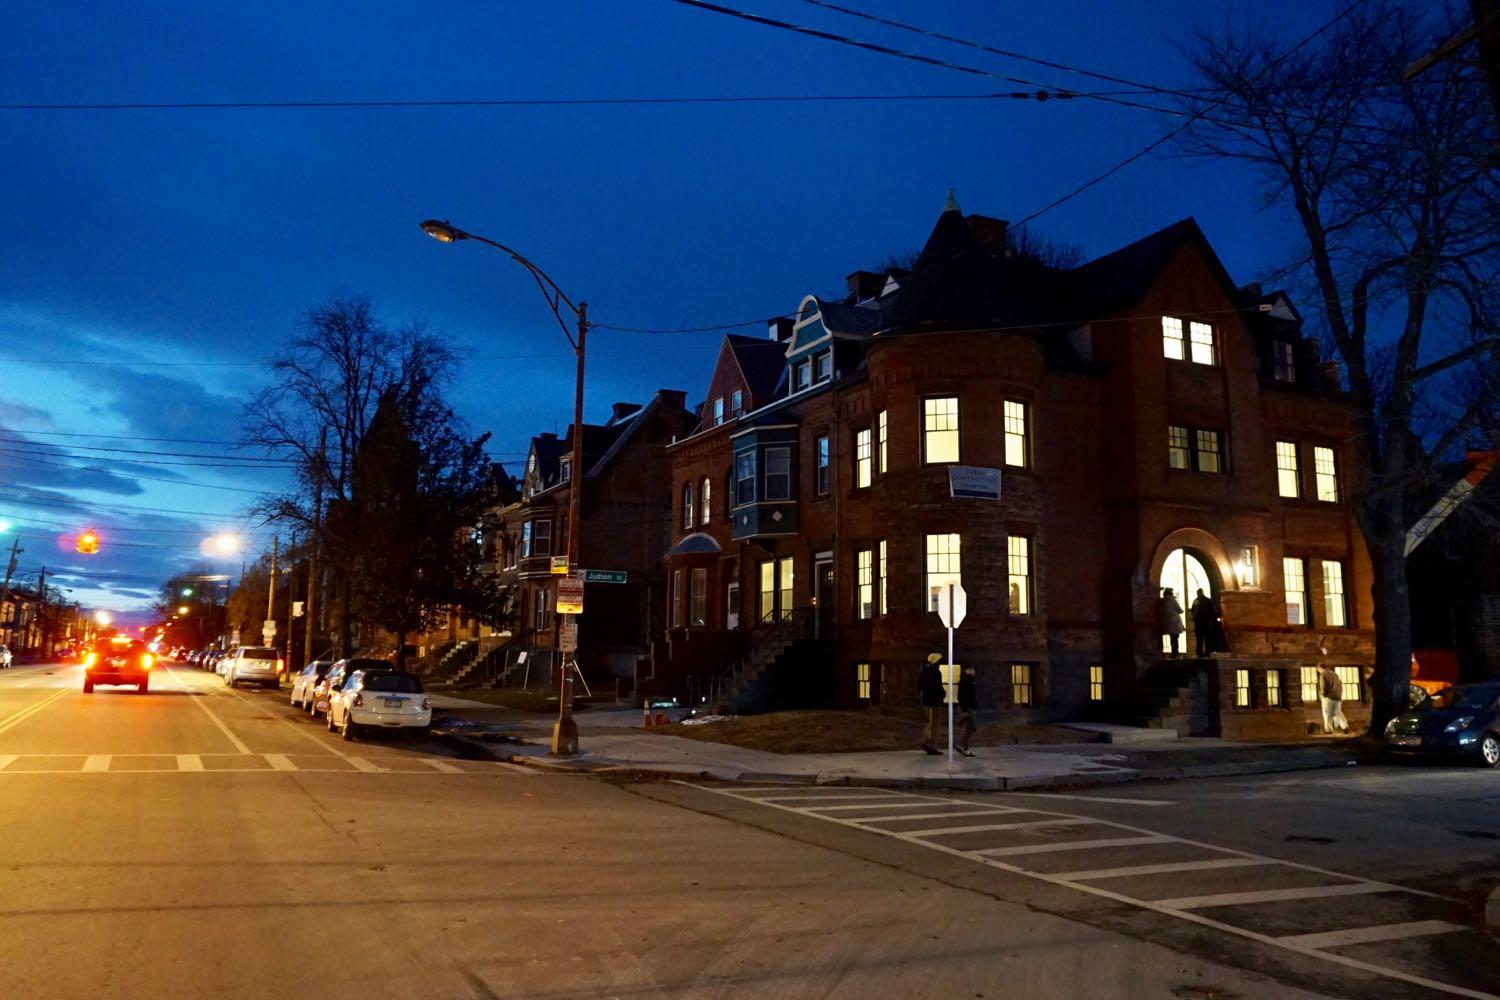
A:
(1205, 611)
(966, 705)
(930, 687)
(1169, 618)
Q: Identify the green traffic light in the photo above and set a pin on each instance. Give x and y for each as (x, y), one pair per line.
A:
(187, 591)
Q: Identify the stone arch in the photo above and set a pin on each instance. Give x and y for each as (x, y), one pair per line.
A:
(1202, 543)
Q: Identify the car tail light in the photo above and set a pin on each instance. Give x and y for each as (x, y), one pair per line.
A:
(359, 701)
(280, 666)
(88, 661)
(146, 660)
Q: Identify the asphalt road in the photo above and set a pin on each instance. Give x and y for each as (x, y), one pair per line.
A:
(196, 841)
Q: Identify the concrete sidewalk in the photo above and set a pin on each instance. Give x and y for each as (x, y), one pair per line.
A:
(611, 741)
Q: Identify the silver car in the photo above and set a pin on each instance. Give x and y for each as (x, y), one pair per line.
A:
(253, 665)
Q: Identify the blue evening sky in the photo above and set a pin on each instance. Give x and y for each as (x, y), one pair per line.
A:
(200, 237)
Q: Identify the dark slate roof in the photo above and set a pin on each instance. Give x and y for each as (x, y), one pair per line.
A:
(760, 360)
(548, 449)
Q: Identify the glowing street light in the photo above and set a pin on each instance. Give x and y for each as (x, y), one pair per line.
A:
(183, 610)
(225, 543)
(103, 617)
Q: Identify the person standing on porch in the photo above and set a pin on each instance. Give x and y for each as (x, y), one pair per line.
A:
(930, 687)
(1205, 612)
(1169, 619)
(1331, 693)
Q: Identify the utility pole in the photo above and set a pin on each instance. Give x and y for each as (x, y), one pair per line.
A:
(565, 730)
(41, 593)
(10, 568)
(310, 608)
(271, 593)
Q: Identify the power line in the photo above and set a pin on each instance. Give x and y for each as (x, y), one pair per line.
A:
(109, 528)
(232, 462)
(269, 362)
(134, 475)
(107, 505)
(141, 451)
(1181, 128)
(116, 437)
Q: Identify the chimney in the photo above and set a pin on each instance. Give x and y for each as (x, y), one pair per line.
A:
(620, 411)
(673, 397)
(780, 328)
(865, 285)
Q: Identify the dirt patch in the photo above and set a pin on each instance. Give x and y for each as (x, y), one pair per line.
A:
(854, 732)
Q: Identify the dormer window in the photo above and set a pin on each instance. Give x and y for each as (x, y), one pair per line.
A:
(1283, 361)
(737, 403)
(823, 367)
(718, 411)
(801, 375)
(1197, 346)
(565, 470)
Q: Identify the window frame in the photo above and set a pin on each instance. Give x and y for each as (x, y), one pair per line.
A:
(689, 507)
(676, 598)
(1242, 697)
(864, 584)
(1287, 562)
(698, 597)
(880, 577)
(541, 540)
(1273, 688)
(743, 494)
(821, 475)
(781, 453)
(737, 403)
(1013, 412)
(928, 433)
(882, 425)
(802, 375)
(1210, 345)
(863, 686)
(1173, 333)
(1350, 679)
(1288, 475)
(718, 410)
(1335, 595)
(705, 502)
(1018, 571)
(1330, 478)
(1022, 685)
(822, 369)
(1188, 441)
(941, 556)
(1283, 368)
(864, 458)
(1096, 682)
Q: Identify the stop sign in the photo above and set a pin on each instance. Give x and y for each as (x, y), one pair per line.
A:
(953, 604)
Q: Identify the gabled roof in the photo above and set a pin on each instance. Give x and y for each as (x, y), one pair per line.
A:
(1122, 277)
(627, 429)
(760, 362)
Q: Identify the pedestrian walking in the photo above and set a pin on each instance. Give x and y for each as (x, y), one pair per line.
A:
(1169, 619)
(966, 706)
(930, 687)
(1205, 612)
(1331, 692)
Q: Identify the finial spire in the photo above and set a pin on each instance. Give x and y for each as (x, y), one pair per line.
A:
(951, 205)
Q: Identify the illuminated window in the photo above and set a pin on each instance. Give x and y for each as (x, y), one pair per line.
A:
(718, 410)
(1018, 560)
(1283, 361)
(698, 607)
(1096, 683)
(1294, 582)
(1242, 689)
(864, 582)
(881, 576)
(705, 501)
(880, 429)
(1195, 448)
(1179, 449)
(1349, 681)
(744, 476)
(1309, 685)
(1208, 451)
(784, 591)
(822, 469)
(943, 559)
(862, 459)
(778, 473)
(1335, 613)
(862, 681)
(768, 590)
(1015, 433)
(737, 403)
(1020, 684)
(1287, 482)
(687, 507)
(940, 430)
(1273, 688)
(1171, 338)
(1326, 475)
(1201, 337)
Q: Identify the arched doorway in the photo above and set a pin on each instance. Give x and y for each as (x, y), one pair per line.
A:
(1186, 571)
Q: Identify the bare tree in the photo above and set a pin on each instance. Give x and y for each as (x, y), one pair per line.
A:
(1397, 236)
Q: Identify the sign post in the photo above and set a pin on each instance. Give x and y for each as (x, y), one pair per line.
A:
(953, 604)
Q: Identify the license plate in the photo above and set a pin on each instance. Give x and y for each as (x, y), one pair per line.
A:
(1406, 741)
(394, 702)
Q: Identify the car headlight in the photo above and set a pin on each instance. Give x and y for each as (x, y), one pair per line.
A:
(1390, 727)
(1458, 725)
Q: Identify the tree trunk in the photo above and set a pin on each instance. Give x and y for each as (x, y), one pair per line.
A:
(401, 649)
(1386, 539)
(345, 617)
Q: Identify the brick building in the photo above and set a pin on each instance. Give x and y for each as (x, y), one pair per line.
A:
(1152, 425)
(624, 528)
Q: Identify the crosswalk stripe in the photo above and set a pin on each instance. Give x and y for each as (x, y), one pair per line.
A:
(362, 764)
(982, 827)
(438, 765)
(1073, 845)
(1206, 864)
(279, 761)
(936, 815)
(189, 762)
(1269, 896)
(819, 798)
(1372, 935)
(903, 805)
(97, 762)
(6, 759)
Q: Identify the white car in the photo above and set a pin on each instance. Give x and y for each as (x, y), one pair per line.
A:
(253, 665)
(384, 699)
(307, 678)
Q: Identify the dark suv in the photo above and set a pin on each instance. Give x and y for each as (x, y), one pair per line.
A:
(118, 660)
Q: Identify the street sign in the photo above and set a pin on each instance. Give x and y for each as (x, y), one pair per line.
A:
(567, 635)
(973, 482)
(952, 604)
(559, 565)
(605, 576)
(268, 630)
(569, 595)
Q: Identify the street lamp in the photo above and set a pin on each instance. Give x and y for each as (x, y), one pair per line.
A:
(225, 543)
(565, 732)
(183, 610)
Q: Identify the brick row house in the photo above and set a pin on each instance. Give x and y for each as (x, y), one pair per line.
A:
(626, 475)
(1152, 425)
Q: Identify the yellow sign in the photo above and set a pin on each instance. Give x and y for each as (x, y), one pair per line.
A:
(559, 565)
(569, 595)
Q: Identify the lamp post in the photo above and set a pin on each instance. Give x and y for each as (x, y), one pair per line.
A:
(565, 732)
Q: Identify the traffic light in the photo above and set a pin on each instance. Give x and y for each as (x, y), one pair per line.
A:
(88, 542)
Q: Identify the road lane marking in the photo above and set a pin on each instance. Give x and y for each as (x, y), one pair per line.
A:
(96, 762)
(506, 765)
(1269, 896)
(15, 719)
(982, 827)
(279, 762)
(196, 699)
(1073, 845)
(904, 805)
(322, 744)
(6, 759)
(438, 765)
(1094, 798)
(361, 764)
(1188, 916)
(1166, 868)
(1373, 935)
(189, 762)
(873, 799)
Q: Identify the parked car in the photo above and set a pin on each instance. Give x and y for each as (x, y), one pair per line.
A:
(119, 660)
(387, 699)
(336, 677)
(5, 657)
(253, 665)
(1462, 720)
(307, 678)
(221, 662)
